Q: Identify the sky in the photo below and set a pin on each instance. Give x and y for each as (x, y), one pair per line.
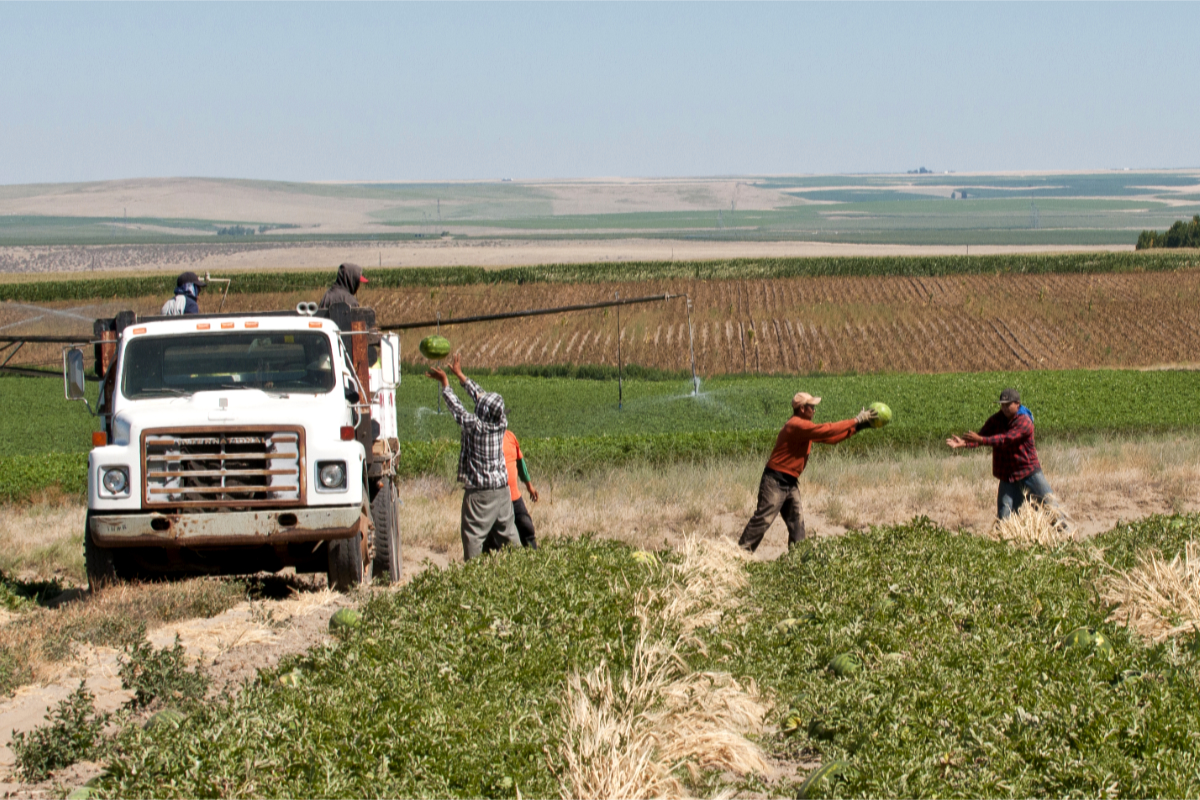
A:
(462, 91)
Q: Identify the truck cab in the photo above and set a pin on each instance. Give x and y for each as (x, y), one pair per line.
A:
(238, 443)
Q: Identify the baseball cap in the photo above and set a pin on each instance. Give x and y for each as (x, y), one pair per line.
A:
(1010, 396)
(804, 399)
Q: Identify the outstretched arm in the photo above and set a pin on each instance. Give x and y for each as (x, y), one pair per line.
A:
(471, 386)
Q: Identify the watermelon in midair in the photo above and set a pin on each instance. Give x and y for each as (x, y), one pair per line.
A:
(435, 347)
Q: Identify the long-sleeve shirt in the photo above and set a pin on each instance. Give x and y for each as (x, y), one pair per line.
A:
(794, 443)
(1014, 456)
(481, 457)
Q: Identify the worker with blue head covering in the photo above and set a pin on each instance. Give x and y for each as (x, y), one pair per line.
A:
(187, 292)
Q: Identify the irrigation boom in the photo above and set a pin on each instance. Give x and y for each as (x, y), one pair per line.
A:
(532, 312)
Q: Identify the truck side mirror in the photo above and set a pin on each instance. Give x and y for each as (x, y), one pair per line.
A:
(389, 360)
(74, 386)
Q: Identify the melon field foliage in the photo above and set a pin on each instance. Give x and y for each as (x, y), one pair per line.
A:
(452, 686)
(575, 425)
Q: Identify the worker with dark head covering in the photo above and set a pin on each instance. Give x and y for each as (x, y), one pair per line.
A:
(349, 278)
(187, 291)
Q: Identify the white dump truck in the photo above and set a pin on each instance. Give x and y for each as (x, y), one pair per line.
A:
(238, 443)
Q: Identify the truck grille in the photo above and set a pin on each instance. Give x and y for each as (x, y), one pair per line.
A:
(225, 467)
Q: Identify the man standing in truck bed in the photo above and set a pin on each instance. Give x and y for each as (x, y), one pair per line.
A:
(345, 286)
(779, 489)
(486, 501)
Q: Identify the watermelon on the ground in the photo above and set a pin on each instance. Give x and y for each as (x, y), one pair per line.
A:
(845, 665)
(435, 347)
(817, 782)
(168, 717)
(344, 620)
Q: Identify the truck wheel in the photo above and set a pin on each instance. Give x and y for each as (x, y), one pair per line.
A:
(346, 564)
(385, 512)
(99, 562)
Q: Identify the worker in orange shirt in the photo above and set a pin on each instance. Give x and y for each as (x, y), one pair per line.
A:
(779, 489)
(514, 460)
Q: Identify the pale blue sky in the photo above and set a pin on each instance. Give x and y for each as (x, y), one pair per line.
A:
(463, 91)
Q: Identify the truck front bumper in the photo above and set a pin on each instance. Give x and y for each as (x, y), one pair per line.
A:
(227, 529)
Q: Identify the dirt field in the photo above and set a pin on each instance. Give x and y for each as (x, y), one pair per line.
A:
(794, 325)
(1099, 484)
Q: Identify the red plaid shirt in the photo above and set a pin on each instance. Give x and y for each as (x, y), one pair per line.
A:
(1014, 456)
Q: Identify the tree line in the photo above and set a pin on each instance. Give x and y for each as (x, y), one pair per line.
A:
(1181, 234)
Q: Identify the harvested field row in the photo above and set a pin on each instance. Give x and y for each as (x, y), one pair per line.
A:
(806, 325)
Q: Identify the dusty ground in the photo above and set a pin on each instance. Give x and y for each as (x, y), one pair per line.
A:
(1100, 484)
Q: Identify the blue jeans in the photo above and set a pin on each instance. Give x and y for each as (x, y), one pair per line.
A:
(1011, 496)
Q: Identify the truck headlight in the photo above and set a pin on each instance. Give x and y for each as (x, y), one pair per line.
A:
(115, 480)
(332, 475)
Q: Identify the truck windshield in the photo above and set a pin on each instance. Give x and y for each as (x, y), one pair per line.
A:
(276, 361)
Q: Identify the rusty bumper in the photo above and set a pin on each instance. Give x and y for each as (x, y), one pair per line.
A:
(226, 529)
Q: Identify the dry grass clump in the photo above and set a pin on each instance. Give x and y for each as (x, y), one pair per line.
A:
(629, 737)
(44, 540)
(1157, 598)
(35, 644)
(1034, 523)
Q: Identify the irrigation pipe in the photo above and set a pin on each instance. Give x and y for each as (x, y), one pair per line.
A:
(538, 312)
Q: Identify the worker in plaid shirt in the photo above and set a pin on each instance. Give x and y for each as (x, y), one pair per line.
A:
(486, 502)
(1009, 433)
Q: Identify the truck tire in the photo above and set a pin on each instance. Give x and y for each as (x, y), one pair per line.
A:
(99, 562)
(385, 512)
(346, 567)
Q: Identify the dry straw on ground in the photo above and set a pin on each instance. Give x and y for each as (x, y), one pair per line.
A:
(1034, 523)
(629, 737)
(1158, 598)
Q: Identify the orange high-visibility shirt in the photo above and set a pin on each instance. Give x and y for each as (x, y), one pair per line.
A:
(794, 442)
(512, 454)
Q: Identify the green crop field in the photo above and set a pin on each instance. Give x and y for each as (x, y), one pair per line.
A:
(575, 425)
(455, 685)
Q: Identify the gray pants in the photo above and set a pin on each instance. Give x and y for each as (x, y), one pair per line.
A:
(481, 510)
(776, 495)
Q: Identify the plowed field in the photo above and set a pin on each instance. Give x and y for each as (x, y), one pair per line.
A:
(795, 325)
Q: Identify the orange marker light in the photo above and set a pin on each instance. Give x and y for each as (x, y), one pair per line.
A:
(251, 324)
(314, 324)
(99, 438)
(202, 326)
(226, 324)
(139, 330)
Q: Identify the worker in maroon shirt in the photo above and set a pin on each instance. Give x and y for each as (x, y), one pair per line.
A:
(1009, 433)
(779, 488)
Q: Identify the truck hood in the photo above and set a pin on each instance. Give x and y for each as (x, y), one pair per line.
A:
(228, 407)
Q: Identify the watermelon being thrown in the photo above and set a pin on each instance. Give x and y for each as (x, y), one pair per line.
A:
(435, 347)
(885, 414)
